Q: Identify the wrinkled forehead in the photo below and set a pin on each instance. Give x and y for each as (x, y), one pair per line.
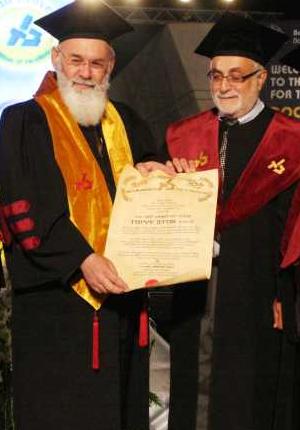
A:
(94, 48)
(225, 63)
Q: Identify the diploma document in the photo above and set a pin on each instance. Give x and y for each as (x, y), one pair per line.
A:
(162, 228)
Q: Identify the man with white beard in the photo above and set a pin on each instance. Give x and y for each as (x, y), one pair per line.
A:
(61, 155)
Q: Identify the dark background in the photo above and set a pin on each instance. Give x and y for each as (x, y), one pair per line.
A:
(288, 8)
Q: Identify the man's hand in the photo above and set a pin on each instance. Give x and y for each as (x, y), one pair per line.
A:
(150, 166)
(182, 165)
(277, 315)
(102, 276)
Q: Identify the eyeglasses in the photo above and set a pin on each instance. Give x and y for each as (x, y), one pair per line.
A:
(77, 61)
(232, 78)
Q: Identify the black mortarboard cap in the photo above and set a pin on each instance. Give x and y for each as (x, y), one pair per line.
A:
(292, 59)
(84, 19)
(241, 36)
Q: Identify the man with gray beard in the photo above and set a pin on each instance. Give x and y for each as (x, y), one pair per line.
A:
(231, 369)
(80, 355)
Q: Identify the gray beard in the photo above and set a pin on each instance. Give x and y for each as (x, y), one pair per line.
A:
(86, 106)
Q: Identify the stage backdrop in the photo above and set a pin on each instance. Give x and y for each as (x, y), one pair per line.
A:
(157, 72)
(282, 91)
(24, 48)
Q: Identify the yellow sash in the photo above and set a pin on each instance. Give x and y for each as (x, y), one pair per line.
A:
(88, 196)
(2, 260)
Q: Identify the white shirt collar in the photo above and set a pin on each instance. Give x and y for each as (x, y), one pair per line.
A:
(254, 112)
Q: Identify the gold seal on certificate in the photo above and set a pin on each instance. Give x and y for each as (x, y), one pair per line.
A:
(162, 228)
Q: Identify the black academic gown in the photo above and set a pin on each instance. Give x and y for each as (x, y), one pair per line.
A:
(54, 385)
(253, 365)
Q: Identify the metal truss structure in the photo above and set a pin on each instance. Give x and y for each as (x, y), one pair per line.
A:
(164, 15)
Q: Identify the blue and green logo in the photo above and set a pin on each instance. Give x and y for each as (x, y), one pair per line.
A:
(22, 43)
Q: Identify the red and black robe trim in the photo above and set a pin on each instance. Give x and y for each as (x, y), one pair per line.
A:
(15, 219)
(272, 169)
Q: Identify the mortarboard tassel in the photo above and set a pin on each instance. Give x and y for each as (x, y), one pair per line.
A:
(144, 327)
(95, 352)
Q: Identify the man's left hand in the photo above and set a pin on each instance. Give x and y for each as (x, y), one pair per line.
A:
(150, 166)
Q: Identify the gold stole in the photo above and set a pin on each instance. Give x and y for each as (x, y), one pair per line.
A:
(2, 259)
(88, 196)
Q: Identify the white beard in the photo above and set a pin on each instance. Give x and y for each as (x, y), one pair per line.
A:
(87, 106)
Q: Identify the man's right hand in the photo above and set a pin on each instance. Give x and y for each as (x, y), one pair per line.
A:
(102, 276)
(182, 165)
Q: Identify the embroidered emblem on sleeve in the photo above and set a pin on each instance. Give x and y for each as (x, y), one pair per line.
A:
(277, 166)
(202, 160)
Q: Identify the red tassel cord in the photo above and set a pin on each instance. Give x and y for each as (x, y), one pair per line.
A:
(144, 328)
(96, 340)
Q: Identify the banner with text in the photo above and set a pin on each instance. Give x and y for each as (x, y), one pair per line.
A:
(282, 91)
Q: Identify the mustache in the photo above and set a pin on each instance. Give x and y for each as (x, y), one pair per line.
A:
(227, 95)
(85, 82)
